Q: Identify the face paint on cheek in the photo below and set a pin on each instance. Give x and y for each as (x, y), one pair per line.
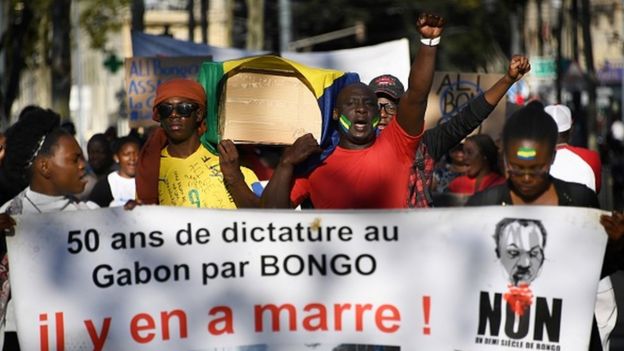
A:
(375, 121)
(345, 124)
(526, 153)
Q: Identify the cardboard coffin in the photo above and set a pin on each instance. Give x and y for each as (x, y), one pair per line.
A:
(267, 107)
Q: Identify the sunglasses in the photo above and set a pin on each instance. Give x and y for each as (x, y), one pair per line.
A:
(389, 107)
(183, 109)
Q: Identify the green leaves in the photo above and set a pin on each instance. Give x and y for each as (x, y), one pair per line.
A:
(98, 18)
(476, 37)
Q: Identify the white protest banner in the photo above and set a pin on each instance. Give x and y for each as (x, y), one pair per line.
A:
(451, 91)
(163, 278)
(391, 57)
(144, 74)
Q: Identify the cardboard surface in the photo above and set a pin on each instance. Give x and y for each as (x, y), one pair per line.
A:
(451, 91)
(267, 108)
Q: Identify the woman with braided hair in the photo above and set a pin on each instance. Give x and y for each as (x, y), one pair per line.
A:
(45, 166)
(33, 122)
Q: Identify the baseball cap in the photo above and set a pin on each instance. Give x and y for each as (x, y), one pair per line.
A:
(562, 115)
(617, 130)
(387, 84)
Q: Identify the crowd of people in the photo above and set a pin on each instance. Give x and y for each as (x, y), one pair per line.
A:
(383, 160)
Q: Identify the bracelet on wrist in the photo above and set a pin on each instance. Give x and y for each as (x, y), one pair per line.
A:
(430, 41)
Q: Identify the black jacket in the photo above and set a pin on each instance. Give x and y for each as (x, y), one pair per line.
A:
(570, 194)
(441, 138)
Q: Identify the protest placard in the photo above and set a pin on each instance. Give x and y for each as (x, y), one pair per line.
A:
(268, 107)
(193, 279)
(144, 74)
(451, 91)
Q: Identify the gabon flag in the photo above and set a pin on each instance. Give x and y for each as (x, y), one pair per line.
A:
(325, 85)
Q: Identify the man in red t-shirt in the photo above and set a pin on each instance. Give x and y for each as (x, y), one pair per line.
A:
(572, 163)
(365, 170)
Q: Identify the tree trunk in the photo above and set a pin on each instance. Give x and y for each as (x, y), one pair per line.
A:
(559, 58)
(203, 18)
(574, 27)
(591, 73)
(285, 24)
(255, 24)
(190, 7)
(60, 56)
(138, 15)
(4, 31)
(516, 21)
(15, 62)
(540, 29)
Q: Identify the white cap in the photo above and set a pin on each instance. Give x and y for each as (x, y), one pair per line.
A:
(617, 130)
(562, 115)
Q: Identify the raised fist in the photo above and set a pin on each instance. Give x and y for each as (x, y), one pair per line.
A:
(518, 67)
(430, 26)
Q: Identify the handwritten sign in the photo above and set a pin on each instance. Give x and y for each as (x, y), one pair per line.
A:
(144, 74)
(452, 91)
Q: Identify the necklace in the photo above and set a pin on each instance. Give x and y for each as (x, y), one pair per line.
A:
(32, 203)
(37, 207)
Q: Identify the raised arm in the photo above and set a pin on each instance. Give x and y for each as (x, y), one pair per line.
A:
(412, 106)
(277, 192)
(233, 178)
(518, 67)
(443, 137)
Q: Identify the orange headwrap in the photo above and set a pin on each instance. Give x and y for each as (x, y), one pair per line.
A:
(181, 88)
(148, 165)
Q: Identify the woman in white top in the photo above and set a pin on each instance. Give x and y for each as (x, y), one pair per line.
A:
(56, 167)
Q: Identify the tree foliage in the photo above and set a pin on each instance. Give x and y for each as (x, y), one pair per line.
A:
(23, 45)
(99, 18)
(26, 41)
(476, 31)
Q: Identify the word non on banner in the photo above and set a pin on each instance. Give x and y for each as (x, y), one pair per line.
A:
(164, 278)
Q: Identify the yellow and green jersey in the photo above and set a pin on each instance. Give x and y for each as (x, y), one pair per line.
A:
(197, 181)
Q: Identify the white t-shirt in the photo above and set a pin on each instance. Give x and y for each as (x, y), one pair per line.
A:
(29, 201)
(571, 167)
(122, 189)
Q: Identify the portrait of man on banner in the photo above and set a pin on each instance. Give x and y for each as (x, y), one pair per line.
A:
(520, 247)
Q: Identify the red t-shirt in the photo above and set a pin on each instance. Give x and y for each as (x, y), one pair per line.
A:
(467, 186)
(375, 177)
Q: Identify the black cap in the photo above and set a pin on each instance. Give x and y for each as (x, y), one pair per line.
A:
(387, 84)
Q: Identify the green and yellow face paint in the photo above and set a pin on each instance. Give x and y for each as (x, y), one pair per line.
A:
(345, 123)
(375, 121)
(526, 153)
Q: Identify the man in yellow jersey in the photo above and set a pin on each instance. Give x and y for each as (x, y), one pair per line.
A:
(188, 174)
